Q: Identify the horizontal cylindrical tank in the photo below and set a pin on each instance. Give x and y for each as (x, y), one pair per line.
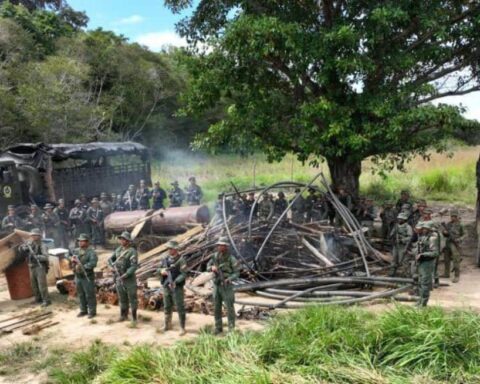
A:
(174, 220)
(118, 222)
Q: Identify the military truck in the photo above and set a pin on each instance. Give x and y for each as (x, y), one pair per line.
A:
(41, 173)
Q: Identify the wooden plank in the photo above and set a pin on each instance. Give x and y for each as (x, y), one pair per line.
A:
(321, 257)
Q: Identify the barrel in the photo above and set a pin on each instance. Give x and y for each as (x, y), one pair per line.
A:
(18, 281)
(175, 220)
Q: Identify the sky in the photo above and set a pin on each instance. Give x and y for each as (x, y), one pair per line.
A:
(149, 23)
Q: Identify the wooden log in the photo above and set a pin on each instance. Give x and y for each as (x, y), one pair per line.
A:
(321, 257)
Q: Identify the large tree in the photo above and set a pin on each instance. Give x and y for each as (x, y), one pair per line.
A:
(332, 79)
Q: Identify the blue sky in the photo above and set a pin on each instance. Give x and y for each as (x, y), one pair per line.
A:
(145, 21)
(149, 23)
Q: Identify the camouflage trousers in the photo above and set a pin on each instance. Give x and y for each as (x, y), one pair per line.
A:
(225, 295)
(175, 298)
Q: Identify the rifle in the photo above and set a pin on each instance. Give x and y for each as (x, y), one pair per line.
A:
(32, 252)
(168, 283)
(84, 271)
(116, 272)
(454, 242)
(220, 274)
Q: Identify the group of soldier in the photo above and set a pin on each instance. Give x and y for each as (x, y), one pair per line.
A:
(62, 224)
(123, 264)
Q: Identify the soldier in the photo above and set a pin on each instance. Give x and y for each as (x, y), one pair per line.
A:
(77, 218)
(105, 205)
(453, 232)
(119, 206)
(298, 208)
(176, 195)
(265, 208)
(173, 271)
(280, 204)
(248, 204)
(83, 202)
(64, 225)
(159, 195)
(310, 203)
(37, 259)
(401, 237)
(367, 215)
(225, 269)
(35, 219)
(427, 217)
(84, 260)
(404, 203)
(427, 252)
(388, 216)
(194, 192)
(418, 212)
(129, 201)
(11, 221)
(124, 262)
(51, 223)
(142, 196)
(95, 218)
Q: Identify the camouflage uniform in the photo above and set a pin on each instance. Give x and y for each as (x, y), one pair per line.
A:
(37, 259)
(451, 252)
(280, 205)
(401, 236)
(298, 209)
(176, 266)
(130, 202)
(77, 217)
(142, 195)
(105, 205)
(427, 252)
(159, 195)
(125, 262)
(35, 220)
(388, 216)
(223, 290)
(95, 219)
(63, 227)
(85, 278)
(194, 193)
(12, 222)
(265, 208)
(176, 195)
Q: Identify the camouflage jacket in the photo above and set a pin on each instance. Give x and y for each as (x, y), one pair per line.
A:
(225, 263)
(125, 261)
(177, 266)
(401, 234)
(88, 258)
(428, 246)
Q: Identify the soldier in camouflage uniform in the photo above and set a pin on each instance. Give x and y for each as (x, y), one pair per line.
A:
(51, 223)
(95, 219)
(401, 236)
(176, 195)
(142, 195)
(37, 259)
(280, 205)
(77, 217)
(173, 271)
(194, 192)
(35, 219)
(388, 216)
(310, 203)
(405, 203)
(298, 208)
(427, 252)
(124, 263)
(453, 232)
(105, 205)
(225, 268)
(158, 196)
(11, 221)
(265, 208)
(129, 200)
(84, 260)
(64, 225)
(418, 212)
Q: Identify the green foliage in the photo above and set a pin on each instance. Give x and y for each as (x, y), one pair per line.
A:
(83, 367)
(318, 344)
(338, 80)
(13, 357)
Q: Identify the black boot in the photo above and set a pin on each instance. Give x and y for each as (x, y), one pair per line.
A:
(134, 316)
(123, 314)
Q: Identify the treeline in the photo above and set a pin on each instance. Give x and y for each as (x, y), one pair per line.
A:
(60, 83)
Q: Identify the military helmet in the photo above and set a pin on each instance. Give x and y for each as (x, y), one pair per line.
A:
(454, 212)
(172, 244)
(125, 235)
(48, 206)
(83, 237)
(35, 232)
(402, 216)
(223, 241)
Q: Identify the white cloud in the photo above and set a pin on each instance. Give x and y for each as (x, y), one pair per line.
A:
(134, 19)
(470, 101)
(157, 41)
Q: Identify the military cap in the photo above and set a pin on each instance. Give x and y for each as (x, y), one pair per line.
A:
(427, 211)
(48, 206)
(125, 235)
(223, 241)
(83, 237)
(61, 201)
(453, 212)
(103, 194)
(422, 202)
(33, 206)
(172, 244)
(35, 232)
(10, 207)
(131, 186)
(77, 201)
(402, 216)
(94, 200)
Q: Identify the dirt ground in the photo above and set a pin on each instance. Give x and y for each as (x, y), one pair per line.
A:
(76, 334)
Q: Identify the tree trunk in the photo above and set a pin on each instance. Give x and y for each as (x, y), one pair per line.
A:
(345, 174)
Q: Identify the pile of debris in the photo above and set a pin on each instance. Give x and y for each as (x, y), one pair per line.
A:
(290, 264)
(31, 322)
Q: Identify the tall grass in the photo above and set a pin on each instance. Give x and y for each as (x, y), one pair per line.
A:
(443, 178)
(317, 345)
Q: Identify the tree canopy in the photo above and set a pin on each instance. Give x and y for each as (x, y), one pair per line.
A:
(333, 79)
